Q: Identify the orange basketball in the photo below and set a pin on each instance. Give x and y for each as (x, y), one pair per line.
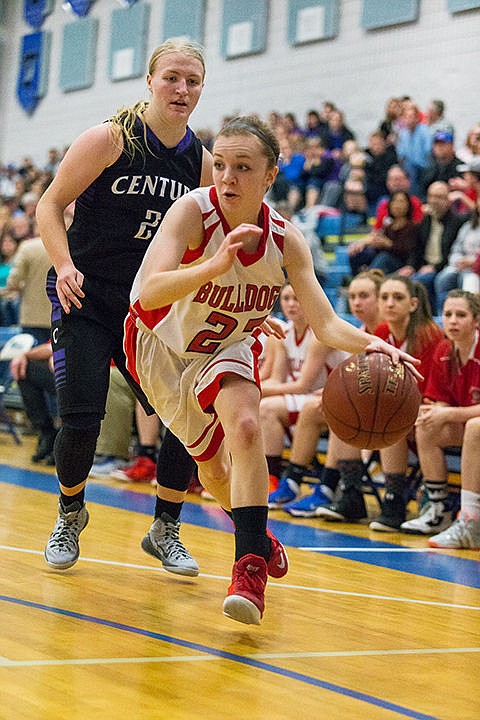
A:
(369, 402)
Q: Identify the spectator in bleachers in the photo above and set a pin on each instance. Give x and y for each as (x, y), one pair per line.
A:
(28, 279)
(443, 164)
(315, 126)
(354, 198)
(332, 192)
(458, 273)
(22, 227)
(390, 248)
(363, 298)
(452, 403)
(33, 371)
(471, 148)
(274, 120)
(397, 179)
(53, 161)
(28, 172)
(28, 204)
(4, 217)
(436, 119)
(327, 108)
(7, 181)
(389, 126)
(436, 234)
(8, 299)
(307, 222)
(290, 167)
(16, 198)
(337, 133)
(465, 187)
(318, 167)
(292, 129)
(379, 158)
(414, 146)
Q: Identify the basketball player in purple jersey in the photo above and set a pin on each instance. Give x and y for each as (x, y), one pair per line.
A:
(123, 176)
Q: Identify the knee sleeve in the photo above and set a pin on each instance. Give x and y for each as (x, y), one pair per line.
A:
(174, 465)
(75, 447)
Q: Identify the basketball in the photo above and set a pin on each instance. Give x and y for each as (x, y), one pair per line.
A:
(369, 402)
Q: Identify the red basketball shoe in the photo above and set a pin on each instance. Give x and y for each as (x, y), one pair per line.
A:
(277, 564)
(245, 601)
(143, 470)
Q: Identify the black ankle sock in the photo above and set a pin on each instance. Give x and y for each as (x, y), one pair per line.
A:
(171, 508)
(330, 477)
(275, 465)
(396, 483)
(250, 532)
(351, 472)
(149, 451)
(295, 472)
(67, 500)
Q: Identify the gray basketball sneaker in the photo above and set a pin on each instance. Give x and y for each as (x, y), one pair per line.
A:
(163, 542)
(62, 548)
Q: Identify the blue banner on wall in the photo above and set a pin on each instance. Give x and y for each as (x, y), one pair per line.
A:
(33, 70)
(80, 7)
(35, 11)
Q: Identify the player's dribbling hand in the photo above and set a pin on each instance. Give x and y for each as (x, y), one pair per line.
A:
(69, 287)
(379, 345)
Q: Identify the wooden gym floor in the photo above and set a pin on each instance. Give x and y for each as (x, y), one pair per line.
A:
(365, 626)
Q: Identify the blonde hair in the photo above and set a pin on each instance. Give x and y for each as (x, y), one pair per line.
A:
(126, 117)
(374, 275)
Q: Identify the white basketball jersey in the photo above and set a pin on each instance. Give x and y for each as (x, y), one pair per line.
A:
(227, 309)
(296, 349)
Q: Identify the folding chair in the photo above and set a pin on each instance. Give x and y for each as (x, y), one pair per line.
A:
(15, 346)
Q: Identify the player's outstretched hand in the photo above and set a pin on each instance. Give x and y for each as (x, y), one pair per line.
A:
(379, 345)
(69, 287)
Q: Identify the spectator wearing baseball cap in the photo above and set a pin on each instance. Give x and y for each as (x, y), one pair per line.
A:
(443, 163)
(465, 188)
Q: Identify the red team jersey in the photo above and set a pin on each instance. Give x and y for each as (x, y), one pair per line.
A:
(449, 381)
(424, 352)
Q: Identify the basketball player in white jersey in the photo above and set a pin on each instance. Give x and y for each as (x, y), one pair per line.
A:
(209, 278)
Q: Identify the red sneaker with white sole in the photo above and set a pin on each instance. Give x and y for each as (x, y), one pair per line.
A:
(143, 470)
(245, 601)
(277, 564)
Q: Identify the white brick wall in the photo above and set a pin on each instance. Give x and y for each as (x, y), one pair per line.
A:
(438, 56)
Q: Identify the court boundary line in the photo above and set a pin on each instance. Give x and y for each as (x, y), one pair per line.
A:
(225, 655)
(271, 583)
(446, 566)
(6, 662)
